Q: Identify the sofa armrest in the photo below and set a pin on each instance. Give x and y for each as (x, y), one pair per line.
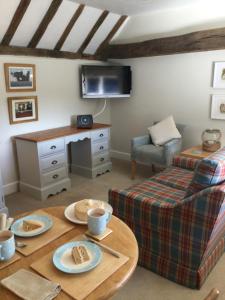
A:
(171, 148)
(139, 141)
(185, 162)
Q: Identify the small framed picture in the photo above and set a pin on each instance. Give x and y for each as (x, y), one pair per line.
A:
(22, 109)
(219, 75)
(218, 107)
(20, 77)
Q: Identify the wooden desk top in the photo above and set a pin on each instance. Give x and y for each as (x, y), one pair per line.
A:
(195, 152)
(44, 135)
(122, 239)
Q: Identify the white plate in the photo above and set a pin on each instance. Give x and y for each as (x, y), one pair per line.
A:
(69, 212)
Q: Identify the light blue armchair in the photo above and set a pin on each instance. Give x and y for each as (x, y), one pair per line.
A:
(143, 151)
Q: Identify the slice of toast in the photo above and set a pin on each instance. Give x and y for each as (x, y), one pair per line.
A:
(29, 225)
(80, 254)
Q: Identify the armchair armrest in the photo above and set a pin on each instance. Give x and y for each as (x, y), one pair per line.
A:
(185, 162)
(171, 148)
(139, 141)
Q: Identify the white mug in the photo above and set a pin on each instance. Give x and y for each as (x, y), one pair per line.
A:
(98, 219)
(7, 245)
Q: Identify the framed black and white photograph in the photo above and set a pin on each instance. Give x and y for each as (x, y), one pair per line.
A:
(219, 75)
(218, 107)
(22, 109)
(20, 77)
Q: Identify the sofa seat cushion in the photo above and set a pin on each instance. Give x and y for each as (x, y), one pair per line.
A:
(210, 171)
(174, 177)
(149, 153)
(155, 193)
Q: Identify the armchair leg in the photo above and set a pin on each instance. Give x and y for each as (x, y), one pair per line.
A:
(133, 169)
(153, 168)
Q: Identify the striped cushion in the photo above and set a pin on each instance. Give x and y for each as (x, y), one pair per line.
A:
(210, 171)
(174, 177)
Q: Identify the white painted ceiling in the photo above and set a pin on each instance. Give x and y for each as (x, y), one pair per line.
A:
(134, 7)
(143, 23)
(35, 13)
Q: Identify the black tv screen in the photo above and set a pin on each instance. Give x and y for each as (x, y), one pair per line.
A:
(105, 81)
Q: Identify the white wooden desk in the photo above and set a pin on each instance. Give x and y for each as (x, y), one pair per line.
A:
(43, 157)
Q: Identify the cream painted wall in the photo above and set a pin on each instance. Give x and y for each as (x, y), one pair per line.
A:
(174, 84)
(58, 99)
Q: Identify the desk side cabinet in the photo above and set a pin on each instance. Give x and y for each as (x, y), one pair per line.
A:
(42, 167)
(90, 156)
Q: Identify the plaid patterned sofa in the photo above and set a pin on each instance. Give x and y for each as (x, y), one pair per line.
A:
(178, 218)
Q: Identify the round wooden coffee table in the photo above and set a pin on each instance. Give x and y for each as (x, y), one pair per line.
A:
(122, 239)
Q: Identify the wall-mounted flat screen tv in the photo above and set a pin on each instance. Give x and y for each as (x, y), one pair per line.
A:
(105, 81)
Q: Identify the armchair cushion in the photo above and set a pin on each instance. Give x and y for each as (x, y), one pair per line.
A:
(146, 194)
(174, 177)
(164, 131)
(210, 171)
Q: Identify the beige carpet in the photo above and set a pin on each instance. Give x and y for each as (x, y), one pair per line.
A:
(144, 285)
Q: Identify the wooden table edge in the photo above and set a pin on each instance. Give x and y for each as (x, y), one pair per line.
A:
(133, 259)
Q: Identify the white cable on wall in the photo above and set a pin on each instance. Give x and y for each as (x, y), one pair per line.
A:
(101, 111)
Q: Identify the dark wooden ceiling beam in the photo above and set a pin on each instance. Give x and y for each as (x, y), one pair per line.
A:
(93, 31)
(12, 50)
(69, 27)
(20, 11)
(205, 40)
(44, 23)
(111, 34)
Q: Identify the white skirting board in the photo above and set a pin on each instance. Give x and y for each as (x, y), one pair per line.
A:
(11, 188)
(120, 155)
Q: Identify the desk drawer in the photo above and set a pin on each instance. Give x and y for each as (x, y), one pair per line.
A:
(99, 147)
(54, 176)
(100, 159)
(99, 134)
(53, 161)
(51, 146)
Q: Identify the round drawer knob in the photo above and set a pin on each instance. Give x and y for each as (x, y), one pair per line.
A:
(53, 147)
(55, 176)
(101, 135)
(102, 159)
(54, 162)
(101, 148)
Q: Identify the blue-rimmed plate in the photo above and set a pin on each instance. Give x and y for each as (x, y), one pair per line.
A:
(63, 260)
(44, 221)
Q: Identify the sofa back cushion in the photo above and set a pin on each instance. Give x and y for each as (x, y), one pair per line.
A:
(209, 171)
